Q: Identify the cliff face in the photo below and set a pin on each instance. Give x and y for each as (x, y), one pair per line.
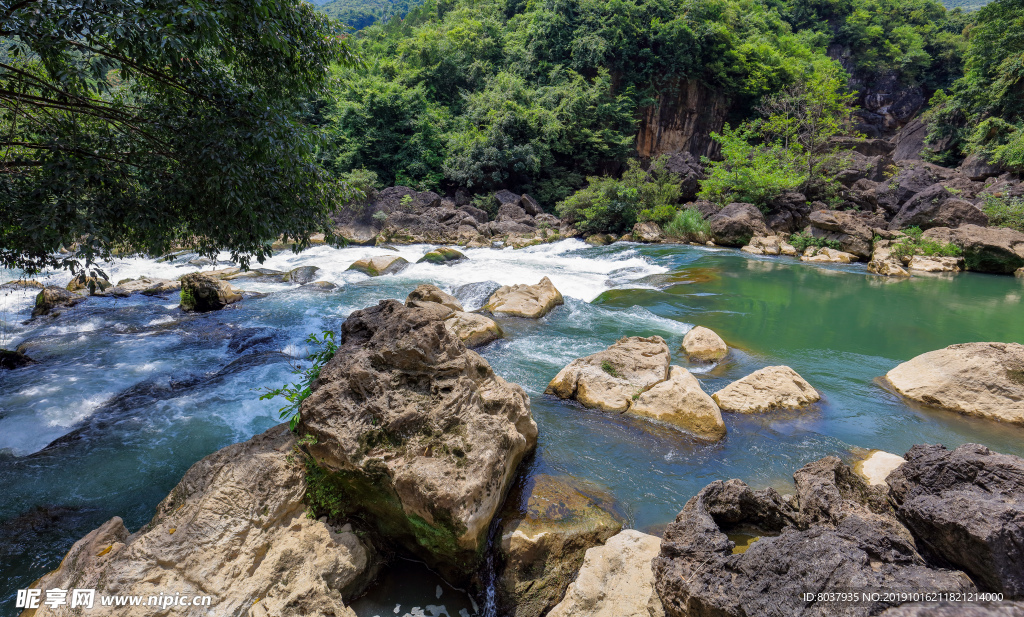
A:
(682, 119)
(885, 100)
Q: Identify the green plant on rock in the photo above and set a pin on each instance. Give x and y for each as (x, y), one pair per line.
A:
(607, 367)
(188, 299)
(1005, 211)
(380, 216)
(689, 224)
(297, 392)
(802, 241)
(913, 243)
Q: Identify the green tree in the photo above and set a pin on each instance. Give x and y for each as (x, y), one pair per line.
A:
(141, 125)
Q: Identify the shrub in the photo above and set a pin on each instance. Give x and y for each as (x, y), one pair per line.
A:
(660, 214)
(297, 392)
(689, 224)
(1005, 212)
(913, 243)
(380, 216)
(748, 172)
(488, 203)
(801, 241)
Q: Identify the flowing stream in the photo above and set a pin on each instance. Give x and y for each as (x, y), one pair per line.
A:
(128, 393)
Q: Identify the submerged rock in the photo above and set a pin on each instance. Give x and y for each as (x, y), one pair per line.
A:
(543, 549)
(976, 379)
(201, 293)
(54, 297)
(967, 507)
(612, 379)
(416, 434)
(680, 401)
(772, 387)
(380, 265)
(442, 256)
(319, 286)
(530, 301)
(616, 580)
(704, 345)
(836, 533)
(235, 528)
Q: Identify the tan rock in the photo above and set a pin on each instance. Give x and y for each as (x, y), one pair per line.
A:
(876, 465)
(764, 245)
(235, 528)
(380, 265)
(752, 250)
(704, 345)
(1019, 273)
(431, 293)
(610, 379)
(89, 284)
(976, 379)
(648, 232)
(201, 293)
(473, 329)
(827, 255)
(531, 301)
(769, 388)
(934, 264)
(145, 285)
(616, 580)
(52, 297)
(886, 268)
(785, 248)
(680, 401)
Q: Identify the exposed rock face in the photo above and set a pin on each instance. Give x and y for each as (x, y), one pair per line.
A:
(788, 213)
(910, 141)
(616, 580)
(235, 528)
(876, 465)
(682, 118)
(986, 249)
(380, 265)
(935, 207)
(704, 345)
(977, 168)
(772, 387)
(967, 507)
(921, 263)
(648, 232)
(530, 301)
(442, 256)
(827, 255)
(417, 432)
(836, 533)
(680, 401)
(976, 379)
(473, 329)
(853, 231)
(432, 293)
(609, 379)
(690, 171)
(543, 548)
(736, 224)
(201, 293)
(52, 297)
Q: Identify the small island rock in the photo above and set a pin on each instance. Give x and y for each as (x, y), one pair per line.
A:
(380, 265)
(610, 379)
(530, 301)
(704, 345)
(772, 387)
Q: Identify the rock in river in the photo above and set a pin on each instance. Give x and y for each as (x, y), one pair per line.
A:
(442, 256)
(53, 297)
(235, 528)
(680, 401)
(610, 379)
(416, 434)
(380, 265)
(531, 301)
(976, 379)
(201, 293)
(704, 345)
(474, 329)
(769, 388)
(432, 293)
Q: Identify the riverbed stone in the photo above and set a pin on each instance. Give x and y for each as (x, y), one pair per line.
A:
(543, 548)
(530, 301)
(235, 528)
(11, 359)
(876, 465)
(380, 265)
(612, 379)
(966, 506)
(828, 255)
(704, 345)
(89, 284)
(302, 275)
(148, 286)
(921, 263)
(442, 256)
(681, 402)
(201, 293)
(648, 231)
(473, 329)
(52, 297)
(976, 379)
(773, 387)
(432, 293)
(764, 245)
(416, 433)
(616, 580)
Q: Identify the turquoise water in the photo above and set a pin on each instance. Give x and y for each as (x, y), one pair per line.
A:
(136, 391)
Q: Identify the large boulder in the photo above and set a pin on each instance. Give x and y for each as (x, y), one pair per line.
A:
(788, 213)
(473, 329)
(201, 293)
(736, 552)
(416, 433)
(647, 232)
(52, 297)
(967, 507)
(986, 249)
(147, 286)
(977, 168)
(442, 256)
(542, 548)
(235, 529)
(427, 293)
(908, 182)
(975, 379)
(616, 580)
(301, 275)
(681, 402)
(690, 171)
(612, 379)
(852, 230)
(736, 224)
(935, 207)
(773, 387)
(90, 283)
(380, 265)
(827, 255)
(530, 301)
(704, 345)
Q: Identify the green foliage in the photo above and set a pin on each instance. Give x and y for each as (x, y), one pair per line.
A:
(689, 224)
(362, 180)
(607, 367)
(1005, 211)
(750, 172)
(297, 392)
(358, 14)
(187, 299)
(801, 241)
(913, 243)
(141, 125)
(613, 205)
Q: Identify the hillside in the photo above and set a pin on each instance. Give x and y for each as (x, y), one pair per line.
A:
(965, 5)
(361, 13)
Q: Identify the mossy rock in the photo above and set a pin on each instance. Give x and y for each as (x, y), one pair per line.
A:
(380, 265)
(442, 256)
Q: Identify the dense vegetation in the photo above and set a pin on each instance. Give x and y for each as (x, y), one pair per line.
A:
(358, 14)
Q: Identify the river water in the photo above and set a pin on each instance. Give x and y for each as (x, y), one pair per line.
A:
(129, 393)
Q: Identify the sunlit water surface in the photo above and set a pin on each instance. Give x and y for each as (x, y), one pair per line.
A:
(128, 393)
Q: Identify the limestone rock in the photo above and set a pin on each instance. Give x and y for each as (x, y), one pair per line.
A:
(235, 528)
(876, 465)
(882, 262)
(853, 231)
(530, 301)
(148, 286)
(827, 255)
(986, 249)
(764, 245)
(736, 224)
(976, 379)
(610, 379)
(648, 232)
(921, 263)
(680, 401)
(616, 580)
(967, 506)
(52, 297)
(704, 345)
(432, 293)
(302, 275)
(772, 387)
(417, 433)
(22, 284)
(473, 329)
(90, 284)
(442, 256)
(201, 293)
(543, 548)
(785, 248)
(380, 265)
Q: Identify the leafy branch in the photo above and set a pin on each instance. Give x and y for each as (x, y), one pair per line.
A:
(299, 391)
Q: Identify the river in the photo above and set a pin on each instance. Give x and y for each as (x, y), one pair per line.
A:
(128, 393)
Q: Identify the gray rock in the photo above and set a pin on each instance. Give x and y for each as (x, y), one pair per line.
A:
(530, 205)
(302, 275)
(474, 295)
(986, 249)
(852, 230)
(52, 297)
(909, 141)
(910, 181)
(936, 207)
(737, 223)
(690, 171)
(976, 167)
